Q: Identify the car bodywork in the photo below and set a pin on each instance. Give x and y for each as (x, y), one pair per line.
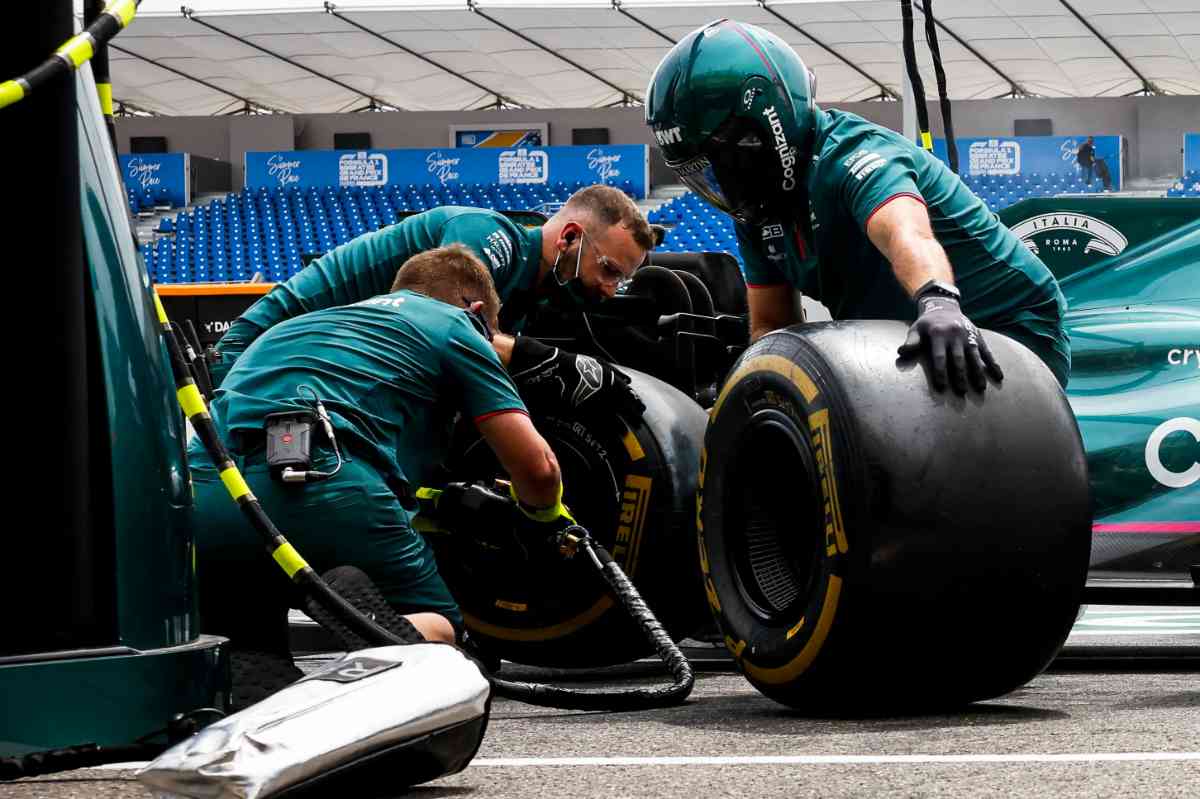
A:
(1130, 271)
(128, 654)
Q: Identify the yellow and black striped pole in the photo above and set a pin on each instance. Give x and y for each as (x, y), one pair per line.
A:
(196, 411)
(91, 14)
(75, 52)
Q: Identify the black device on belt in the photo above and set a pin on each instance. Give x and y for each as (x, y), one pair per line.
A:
(290, 440)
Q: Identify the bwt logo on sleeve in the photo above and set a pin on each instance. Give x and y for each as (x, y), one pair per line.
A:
(361, 169)
(524, 166)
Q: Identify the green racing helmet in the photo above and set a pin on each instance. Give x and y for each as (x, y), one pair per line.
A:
(732, 107)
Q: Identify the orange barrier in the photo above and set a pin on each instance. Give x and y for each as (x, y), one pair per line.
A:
(210, 289)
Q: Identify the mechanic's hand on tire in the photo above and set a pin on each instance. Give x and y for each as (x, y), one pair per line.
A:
(957, 352)
(544, 525)
(550, 379)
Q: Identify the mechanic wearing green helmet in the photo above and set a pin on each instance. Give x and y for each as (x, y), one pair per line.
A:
(851, 213)
(529, 267)
(391, 372)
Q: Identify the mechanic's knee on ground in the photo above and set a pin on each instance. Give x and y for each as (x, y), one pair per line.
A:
(434, 626)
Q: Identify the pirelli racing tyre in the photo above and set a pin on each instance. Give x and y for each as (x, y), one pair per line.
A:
(634, 489)
(870, 545)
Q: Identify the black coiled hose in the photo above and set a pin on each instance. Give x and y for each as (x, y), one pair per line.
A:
(625, 699)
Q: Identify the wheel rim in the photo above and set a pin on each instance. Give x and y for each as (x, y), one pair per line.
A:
(774, 519)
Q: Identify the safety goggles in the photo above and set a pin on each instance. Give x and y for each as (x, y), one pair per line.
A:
(612, 272)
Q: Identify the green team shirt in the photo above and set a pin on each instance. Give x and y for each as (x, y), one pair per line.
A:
(367, 266)
(859, 167)
(392, 371)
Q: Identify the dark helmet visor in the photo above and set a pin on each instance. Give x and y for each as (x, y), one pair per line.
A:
(735, 173)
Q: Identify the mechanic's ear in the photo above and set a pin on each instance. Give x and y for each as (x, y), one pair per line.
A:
(568, 236)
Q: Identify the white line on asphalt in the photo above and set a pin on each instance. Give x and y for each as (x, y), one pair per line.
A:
(816, 760)
(799, 760)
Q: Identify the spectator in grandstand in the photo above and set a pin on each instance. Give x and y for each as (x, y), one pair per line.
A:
(1085, 156)
(391, 371)
(581, 254)
(853, 214)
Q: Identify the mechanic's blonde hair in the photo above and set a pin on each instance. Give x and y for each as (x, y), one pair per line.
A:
(452, 274)
(609, 206)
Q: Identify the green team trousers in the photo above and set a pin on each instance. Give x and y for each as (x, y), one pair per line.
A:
(352, 519)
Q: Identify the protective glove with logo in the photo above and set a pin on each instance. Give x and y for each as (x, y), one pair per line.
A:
(956, 348)
(553, 380)
(549, 523)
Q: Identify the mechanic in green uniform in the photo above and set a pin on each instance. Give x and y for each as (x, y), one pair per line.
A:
(583, 253)
(846, 211)
(392, 371)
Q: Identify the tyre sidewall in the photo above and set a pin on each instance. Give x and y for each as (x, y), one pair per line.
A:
(779, 377)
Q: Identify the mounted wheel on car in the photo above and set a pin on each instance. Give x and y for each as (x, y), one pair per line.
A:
(634, 489)
(868, 543)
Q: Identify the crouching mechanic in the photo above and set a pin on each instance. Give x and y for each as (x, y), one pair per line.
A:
(580, 255)
(846, 211)
(392, 371)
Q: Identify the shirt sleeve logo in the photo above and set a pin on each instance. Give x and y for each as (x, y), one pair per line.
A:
(863, 163)
(499, 250)
(389, 302)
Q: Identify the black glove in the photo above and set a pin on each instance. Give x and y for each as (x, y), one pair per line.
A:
(953, 341)
(550, 379)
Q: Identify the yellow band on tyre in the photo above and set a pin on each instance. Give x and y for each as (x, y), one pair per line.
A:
(768, 363)
(796, 666)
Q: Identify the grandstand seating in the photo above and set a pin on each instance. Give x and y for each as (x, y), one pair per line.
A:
(1001, 191)
(269, 231)
(148, 199)
(1187, 186)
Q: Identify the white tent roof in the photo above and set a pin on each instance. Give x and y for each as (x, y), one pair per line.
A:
(296, 56)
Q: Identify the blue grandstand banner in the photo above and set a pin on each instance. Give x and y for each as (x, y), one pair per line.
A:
(157, 177)
(452, 166)
(1191, 152)
(1026, 155)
